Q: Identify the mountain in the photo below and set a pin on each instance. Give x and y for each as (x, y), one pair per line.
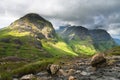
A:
(32, 37)
(61, 28)
(83, 40)
(78, 38)
(102, 39)
(117, 41)
(34, 24)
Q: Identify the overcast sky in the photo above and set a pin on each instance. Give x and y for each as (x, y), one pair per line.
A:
(104, 14)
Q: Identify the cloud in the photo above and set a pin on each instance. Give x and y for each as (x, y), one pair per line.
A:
(89, 13)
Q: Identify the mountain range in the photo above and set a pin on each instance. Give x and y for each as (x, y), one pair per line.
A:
(34, 37)
(83, 40)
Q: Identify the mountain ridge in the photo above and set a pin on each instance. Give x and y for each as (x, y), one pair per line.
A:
(99, 38)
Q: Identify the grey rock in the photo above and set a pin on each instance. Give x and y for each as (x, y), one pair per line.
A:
(27, 77)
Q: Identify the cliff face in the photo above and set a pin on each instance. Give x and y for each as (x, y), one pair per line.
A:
(96, 39)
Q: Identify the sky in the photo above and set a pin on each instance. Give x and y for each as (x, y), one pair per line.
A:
(92, 14)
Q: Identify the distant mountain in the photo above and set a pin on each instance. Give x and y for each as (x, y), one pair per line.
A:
(117, 41)
(79, 39)
(32, 37)
(83, 40)
(102, 39)
(61, 28)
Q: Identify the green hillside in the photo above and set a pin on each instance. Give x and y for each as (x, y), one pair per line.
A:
(28, 45)
(114, 51)
(27, 38)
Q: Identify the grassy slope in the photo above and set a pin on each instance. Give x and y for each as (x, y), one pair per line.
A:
(9, 69)
(29, 51)
(81, 47)
(26, 50)
(58, 48)
(103, 45)
(114, 51)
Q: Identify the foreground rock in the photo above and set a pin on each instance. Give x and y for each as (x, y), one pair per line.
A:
(53, 69)
(72, 78)
(56, 70)
(28, 77)
(98, 60)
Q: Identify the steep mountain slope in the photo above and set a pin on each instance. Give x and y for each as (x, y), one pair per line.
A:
(79, 39)
(34, 24)
(31, 36)
(102, 39)
(87, 41)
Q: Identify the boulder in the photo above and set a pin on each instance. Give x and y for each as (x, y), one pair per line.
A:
(28, 77)
(98, 60)
(71, 78)
(53, 69)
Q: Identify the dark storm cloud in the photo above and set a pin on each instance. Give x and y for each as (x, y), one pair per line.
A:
(103, 14)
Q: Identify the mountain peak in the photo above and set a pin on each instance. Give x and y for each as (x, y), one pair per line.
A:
(34, 24)
(35, 16)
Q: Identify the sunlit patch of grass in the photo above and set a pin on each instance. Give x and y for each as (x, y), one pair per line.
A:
(8, 32)
(58, 48)
(63, 46)
(18, 34)
(82, 47)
